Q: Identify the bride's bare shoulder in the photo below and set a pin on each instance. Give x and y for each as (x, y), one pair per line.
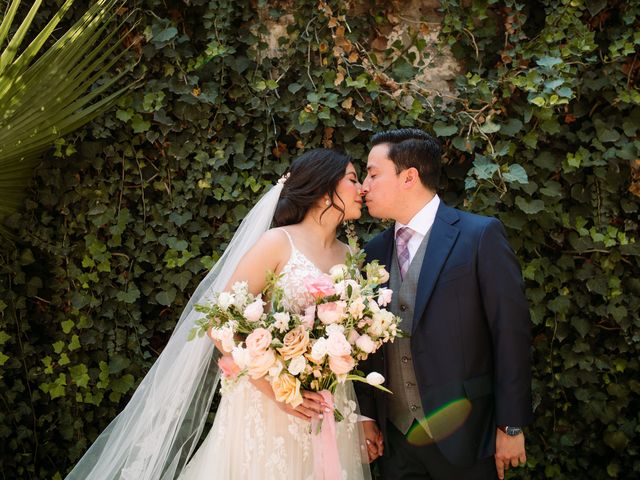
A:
(275, 240)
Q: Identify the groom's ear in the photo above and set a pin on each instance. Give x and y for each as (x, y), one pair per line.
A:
(410, 178)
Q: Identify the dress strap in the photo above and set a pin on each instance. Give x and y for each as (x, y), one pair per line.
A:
(293, 247)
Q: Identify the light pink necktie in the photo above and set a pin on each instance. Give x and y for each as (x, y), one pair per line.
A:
(403, 236)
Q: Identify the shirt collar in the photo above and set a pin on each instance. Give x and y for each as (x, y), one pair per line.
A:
(423, 220)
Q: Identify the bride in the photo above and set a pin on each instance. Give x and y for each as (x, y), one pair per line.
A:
(253, 436)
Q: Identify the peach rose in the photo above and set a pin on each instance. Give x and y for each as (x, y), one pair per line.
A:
(341, 365)
(258, 341)
(295, 343)
(320, 286)
(287, 389)
(260, 364)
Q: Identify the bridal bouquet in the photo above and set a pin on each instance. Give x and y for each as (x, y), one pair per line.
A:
(311, 350)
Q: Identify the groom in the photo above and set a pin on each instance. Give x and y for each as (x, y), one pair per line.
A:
(461, 376)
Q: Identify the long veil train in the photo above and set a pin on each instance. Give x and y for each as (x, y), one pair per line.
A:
(156, 433)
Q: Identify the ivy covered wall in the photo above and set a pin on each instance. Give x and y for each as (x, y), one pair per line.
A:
(536, 103)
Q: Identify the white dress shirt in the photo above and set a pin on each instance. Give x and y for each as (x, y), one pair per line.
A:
(421, 223)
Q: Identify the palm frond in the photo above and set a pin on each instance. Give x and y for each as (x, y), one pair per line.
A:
(46, 95)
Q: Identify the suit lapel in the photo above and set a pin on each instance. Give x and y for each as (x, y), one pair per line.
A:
(443, 236)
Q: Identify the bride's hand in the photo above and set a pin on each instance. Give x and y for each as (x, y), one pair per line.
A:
(312, 406)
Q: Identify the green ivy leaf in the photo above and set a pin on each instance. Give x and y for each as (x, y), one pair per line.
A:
(443, 130)
(530, 207)
(166, 297)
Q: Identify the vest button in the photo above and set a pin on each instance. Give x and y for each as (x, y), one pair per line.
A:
(403, 307)
(405, 359)
(409, 384)
(414, 408)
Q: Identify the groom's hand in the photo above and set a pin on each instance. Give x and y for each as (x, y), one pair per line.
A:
(510, 451)
(373, 437)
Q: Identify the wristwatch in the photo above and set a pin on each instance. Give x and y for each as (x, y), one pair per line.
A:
(511, 431)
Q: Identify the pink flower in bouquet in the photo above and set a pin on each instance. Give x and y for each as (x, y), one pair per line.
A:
(384, 296)
(365, 343)
(254, 311)
(341, 365)
(338, 345)
(331, 312)
(260, 363)
(228, 367)
(353, 336)
(258, 341)
(309, 317)
(320, 286)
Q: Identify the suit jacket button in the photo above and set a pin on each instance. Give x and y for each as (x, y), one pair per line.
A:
(414, 408)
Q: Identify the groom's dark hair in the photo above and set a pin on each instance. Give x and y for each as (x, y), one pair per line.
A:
(412, 147)
(312, 175)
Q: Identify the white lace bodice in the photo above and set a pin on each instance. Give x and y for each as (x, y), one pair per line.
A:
(297, 269)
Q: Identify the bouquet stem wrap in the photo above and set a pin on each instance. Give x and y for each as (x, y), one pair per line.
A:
(326, 460)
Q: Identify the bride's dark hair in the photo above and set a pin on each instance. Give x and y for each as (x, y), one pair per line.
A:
(312, 175)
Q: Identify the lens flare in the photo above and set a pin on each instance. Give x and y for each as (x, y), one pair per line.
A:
(441, 422)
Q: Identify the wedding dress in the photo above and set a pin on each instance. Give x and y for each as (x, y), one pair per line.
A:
(155, 435)
(253, 439)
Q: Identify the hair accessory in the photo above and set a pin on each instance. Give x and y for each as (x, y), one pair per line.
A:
(284, 178)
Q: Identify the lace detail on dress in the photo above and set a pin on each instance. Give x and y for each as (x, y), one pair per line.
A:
(297, 269)
(253, 439)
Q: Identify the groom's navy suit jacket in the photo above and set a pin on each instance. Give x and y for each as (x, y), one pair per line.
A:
(471, 334)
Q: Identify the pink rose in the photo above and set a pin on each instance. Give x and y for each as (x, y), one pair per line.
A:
(254, 311)
(341, 365)
(309, 317)
(365, 344)
(320, 287)
(331, 312)
(260, 363)
(228, 367)
(258, 341)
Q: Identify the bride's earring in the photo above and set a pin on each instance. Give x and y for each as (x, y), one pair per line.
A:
(327, 202)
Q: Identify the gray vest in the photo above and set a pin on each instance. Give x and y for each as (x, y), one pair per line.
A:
(404, 405)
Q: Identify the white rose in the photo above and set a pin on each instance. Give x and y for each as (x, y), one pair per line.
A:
(225, 336)
(374, 378)
(384, 296)
(338, 345)
(365, 343)
(338, 272)
(225, 300)
(297, 365)
(254, 311)
(319, 350)
(241, 357)
(334, 329)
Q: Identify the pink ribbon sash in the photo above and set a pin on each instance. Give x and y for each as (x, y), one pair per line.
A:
(326, 460)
